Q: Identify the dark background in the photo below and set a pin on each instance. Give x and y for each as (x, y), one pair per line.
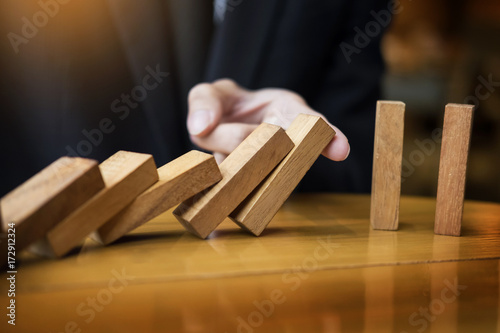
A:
(436, 52)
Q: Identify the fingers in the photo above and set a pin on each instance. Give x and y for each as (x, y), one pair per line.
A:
(207, 104)
(222, 114)
(205, 109)
(338, 149)
(219, 157)
(225, 137)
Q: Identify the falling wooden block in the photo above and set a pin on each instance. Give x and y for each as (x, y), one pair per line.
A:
(126, 175)
(241, 172)
(457, 129)
(311, 135)
(47, 198)
(179, 180)
(387, 161)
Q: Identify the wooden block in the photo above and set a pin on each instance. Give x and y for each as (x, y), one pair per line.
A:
(126, 175)
(47, 198)
(457, 129)
(241, 172)
(179, 180)
(387, 161)
(311, 135)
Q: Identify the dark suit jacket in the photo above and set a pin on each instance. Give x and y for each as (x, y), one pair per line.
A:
(79, 68)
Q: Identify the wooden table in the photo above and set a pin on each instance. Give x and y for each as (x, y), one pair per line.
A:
(317, 268)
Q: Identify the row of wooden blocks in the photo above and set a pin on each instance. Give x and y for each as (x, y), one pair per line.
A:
(74, 197)
(387, 166)
(55, 210)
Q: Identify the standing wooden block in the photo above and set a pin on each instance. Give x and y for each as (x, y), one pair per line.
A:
(387, 160)
(126, 175)
(47, 198)
(241, 172)
(457, 129)
(311, 135)
(179, 180)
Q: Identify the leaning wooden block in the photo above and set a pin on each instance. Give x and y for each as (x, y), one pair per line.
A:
(179, 180)
(126, 175)
(241, 172)
(47, 198)
(457, 129)
(311, 135)
(387, 162)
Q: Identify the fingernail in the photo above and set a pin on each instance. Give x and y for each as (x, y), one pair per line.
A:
(348, 152)
(199, 121)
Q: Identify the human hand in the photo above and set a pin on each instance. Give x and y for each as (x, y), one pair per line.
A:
(222, 114)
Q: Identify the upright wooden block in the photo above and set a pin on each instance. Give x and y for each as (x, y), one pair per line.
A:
(241, 172)
(387, 160)
(47, 198)
(311, 135)
(179, 180)
(457, 129)
(126, 175)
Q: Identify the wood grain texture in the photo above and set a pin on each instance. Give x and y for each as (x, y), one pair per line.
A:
(179, 180)
(387, 161)
(320, 253)
(455, 143)
(306, 301)
(241, 172)
(48, 197)
(338, 223)
(310, 134)
(126, 175)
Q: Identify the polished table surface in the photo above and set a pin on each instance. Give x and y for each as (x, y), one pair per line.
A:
(318, 267)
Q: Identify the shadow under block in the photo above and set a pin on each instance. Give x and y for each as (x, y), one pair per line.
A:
(310, 134)
(126, 175)
(387, 161)
(241, 172)
(455, 143)
(49, 197)
(179, 180)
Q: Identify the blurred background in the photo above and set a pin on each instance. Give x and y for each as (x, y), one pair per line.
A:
(441, 52)
(437, 52)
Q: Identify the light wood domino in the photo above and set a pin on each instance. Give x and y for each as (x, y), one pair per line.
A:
(179, 180)
(126, 175)
(387, 164)
(455, 144)
(310, 135)
(241, 172)
(43, 201)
